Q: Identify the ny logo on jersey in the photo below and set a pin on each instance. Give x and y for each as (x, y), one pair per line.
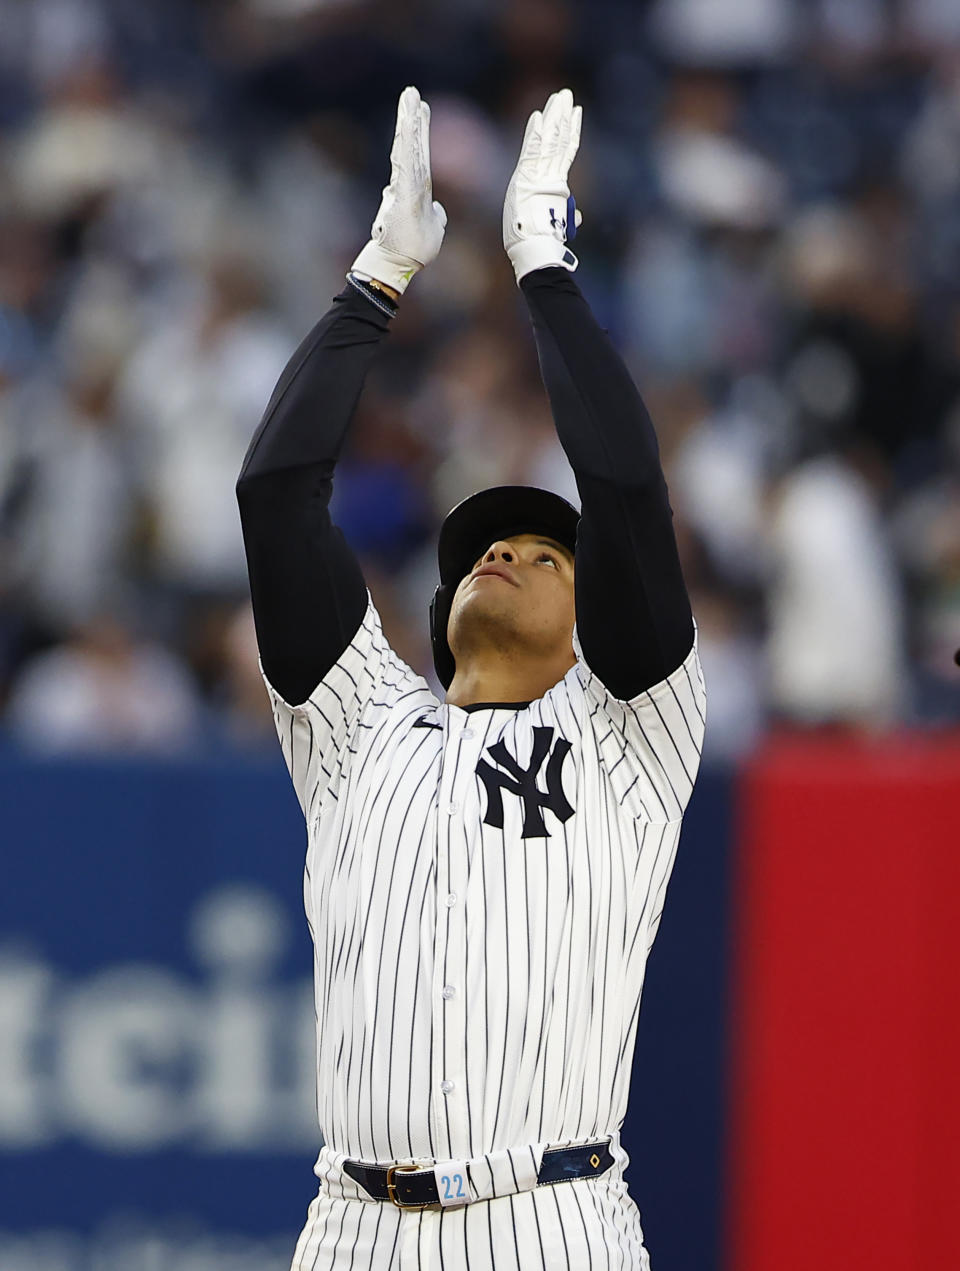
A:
(523, 783)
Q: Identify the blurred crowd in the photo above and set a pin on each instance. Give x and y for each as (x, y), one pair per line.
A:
(771, 200)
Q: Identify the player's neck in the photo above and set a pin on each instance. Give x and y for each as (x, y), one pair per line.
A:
(496, 679)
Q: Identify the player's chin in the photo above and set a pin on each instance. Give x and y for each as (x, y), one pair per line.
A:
(507, 627)
(485, 614)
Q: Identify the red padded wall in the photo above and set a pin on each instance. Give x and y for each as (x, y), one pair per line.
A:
(845, 1126)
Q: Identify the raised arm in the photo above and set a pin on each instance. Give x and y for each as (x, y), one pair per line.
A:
(633, 613)
(309, 596)
(308, 592)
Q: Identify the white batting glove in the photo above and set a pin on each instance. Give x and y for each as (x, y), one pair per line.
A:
(408, 229)
(538, 211)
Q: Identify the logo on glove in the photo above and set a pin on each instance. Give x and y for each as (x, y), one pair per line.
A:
(566, 225)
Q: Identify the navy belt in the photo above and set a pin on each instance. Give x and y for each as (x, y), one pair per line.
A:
(415, 1186)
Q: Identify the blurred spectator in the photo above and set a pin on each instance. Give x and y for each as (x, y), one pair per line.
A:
(75, 504)
(927, 533)
(835, 610)
(85, 142)
(379, 497)
(73, 515)
(707, 173)
(736, 33)
(104, 690)
(194, 392)
(719, 480)
(733, 669)
(246, 718)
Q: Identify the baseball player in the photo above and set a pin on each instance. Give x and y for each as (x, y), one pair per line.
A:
(485, 874)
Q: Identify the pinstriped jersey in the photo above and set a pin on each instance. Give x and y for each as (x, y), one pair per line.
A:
(483, 887)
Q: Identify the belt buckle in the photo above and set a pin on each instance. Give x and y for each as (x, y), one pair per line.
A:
(392, 1187)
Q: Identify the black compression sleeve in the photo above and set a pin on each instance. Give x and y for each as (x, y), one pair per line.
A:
(633, 613)
(309, 596)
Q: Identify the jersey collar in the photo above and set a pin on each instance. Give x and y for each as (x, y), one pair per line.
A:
(494, 706)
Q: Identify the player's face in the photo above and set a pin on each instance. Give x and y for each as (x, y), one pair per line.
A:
(519, 596)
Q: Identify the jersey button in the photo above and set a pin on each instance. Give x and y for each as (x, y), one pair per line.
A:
(449, 991)
(451, 900)
(453, 809)
(467, 734)
(446, 1087)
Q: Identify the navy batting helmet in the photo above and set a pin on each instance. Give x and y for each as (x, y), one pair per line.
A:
(470, 528)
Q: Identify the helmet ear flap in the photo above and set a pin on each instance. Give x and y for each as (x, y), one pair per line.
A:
(440, 607)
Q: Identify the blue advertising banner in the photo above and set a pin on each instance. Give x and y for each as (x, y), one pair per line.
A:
(157, 1025)
(157, 1035)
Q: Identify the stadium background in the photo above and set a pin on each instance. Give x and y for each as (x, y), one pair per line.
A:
(771, 192)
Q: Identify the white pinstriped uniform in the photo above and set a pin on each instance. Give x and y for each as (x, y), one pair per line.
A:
(477, 991)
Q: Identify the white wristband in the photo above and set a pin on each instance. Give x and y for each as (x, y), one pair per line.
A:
(385, 266)
(539, 252)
